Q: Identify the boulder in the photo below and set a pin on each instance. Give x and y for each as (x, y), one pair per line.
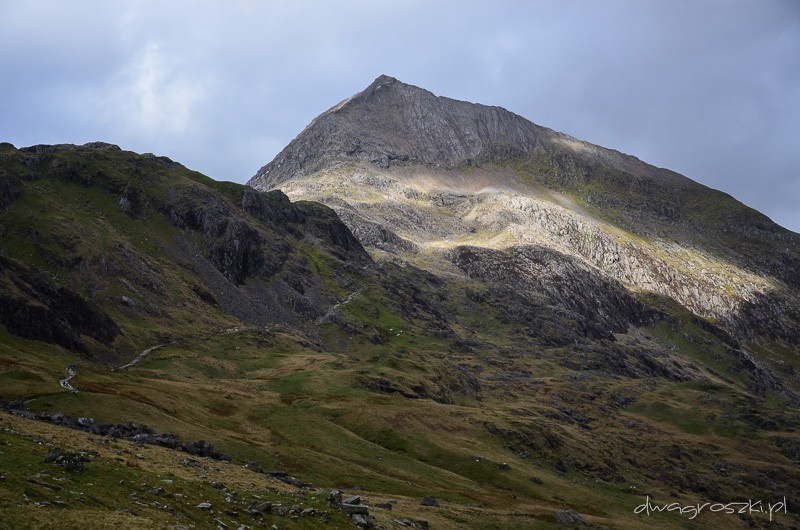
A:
(352, 509)
(355, 499)
(569, 517)
(362, 521)
(335, 498)
(430, 501)
(261, 508)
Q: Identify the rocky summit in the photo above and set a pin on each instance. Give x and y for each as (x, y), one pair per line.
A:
(424, 313)
(418, 178)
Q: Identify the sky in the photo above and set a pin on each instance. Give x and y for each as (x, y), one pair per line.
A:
(708, 88)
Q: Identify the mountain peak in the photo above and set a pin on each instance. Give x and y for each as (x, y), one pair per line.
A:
(392, 122)
(382, 80)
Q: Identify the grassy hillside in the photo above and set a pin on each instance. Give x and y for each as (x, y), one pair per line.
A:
(284, 344)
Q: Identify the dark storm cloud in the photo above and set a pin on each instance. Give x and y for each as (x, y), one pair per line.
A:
(707, 88)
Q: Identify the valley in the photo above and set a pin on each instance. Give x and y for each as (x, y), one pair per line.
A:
(418, 298)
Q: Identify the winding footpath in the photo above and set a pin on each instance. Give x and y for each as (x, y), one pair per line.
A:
(330, 312)
(71, 372)
(136, 360)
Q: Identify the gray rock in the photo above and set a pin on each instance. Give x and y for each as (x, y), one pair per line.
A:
(569, 517)
(354, 499)
(411, 523)
(205, 506)
(255, 466)
(261, 508)
(361, 521)
(297, 483)
(128, 301)
(24, 414)
(335, 498)
(351, 509)
(415, 126)
(430, 501)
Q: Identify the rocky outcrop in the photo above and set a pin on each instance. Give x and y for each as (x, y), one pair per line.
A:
(233, 245)
(304, 218)
(240, 250)
(136, 432)
(10, 189)
(272, 208)
(131, 201)
(353, 506)
(375, 235)
(705, 285)
(33, 307)
(604, 305)
(570, 517)
(323, 223)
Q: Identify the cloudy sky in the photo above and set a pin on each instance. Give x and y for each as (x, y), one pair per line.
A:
(709, 88)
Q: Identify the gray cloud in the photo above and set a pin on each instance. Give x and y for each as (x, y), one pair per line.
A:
(705, 87)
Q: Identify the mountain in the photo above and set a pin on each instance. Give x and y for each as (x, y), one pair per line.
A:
(502, 327)
(421, 176)
(391, 122)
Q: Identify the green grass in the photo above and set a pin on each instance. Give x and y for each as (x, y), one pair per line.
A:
(689, 420)
(117, 488)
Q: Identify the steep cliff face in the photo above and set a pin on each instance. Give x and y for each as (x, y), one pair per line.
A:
(415, 175)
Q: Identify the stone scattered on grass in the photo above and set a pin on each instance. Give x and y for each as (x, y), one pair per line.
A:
(69, 460)
(430, 501)
(569, 517)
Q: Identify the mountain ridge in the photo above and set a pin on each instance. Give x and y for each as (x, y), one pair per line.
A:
(399, 164)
